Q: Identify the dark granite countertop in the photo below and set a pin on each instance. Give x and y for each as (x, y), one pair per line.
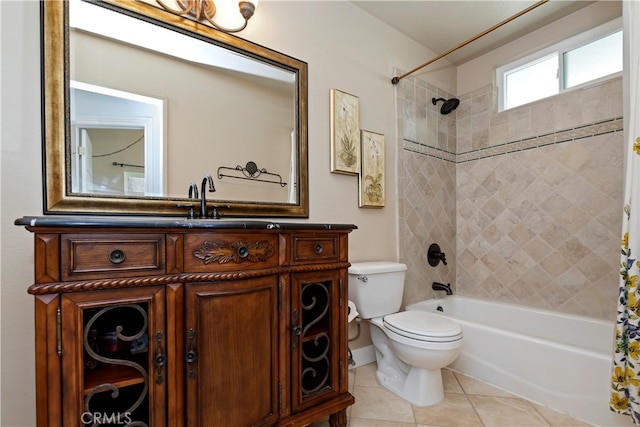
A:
(170, 222)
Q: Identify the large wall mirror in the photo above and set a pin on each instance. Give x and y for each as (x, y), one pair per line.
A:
(140, 103)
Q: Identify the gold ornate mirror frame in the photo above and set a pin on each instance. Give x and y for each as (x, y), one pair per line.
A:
(58, 198)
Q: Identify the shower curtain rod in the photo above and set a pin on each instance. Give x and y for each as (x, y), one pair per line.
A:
(395, 80)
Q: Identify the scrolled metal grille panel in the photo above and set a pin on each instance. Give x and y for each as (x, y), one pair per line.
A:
(125, 399)
(316, 342)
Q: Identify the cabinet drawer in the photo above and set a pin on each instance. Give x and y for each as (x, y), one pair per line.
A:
(96, 256)
(212, 252)
(315, 248)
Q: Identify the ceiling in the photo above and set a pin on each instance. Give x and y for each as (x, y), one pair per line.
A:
(442, 25)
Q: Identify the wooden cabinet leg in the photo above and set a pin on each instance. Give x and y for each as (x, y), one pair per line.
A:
(338, 419)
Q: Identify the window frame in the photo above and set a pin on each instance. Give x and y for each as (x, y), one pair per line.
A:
(557, 49)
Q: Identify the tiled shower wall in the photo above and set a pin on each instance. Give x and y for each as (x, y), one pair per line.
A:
(527, 204)
(427, 187)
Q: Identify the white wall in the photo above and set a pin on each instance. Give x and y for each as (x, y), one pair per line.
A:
(349, 50)
(480, 72)
(345, 49)
(21, 193)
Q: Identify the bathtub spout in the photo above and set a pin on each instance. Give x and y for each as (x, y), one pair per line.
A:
(436, 286)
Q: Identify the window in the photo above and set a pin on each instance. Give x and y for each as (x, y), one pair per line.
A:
(593, 60)
(581, 59)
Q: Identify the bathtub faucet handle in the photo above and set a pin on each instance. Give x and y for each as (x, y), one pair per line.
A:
(435, 255)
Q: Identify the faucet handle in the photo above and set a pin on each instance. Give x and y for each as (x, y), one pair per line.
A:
(191, 213)
(435, 255)
(215, 214)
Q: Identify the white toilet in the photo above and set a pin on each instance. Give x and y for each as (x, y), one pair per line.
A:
(411, 346)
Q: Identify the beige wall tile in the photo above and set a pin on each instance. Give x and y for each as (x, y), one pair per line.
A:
(515, 223)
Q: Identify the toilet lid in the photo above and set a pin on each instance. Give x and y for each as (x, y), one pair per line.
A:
(423, 326)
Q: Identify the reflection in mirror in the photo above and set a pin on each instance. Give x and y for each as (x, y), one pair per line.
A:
(114, 135)
(154, 108)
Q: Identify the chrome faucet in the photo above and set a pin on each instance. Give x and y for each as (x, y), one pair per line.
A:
(203, 198)
(436, 286)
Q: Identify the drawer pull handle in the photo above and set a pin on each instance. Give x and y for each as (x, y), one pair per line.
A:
(160, 359)
(117, 256)
(318, 248)
(160, 362)
(191, 355)
(243, 252)
(296, 330)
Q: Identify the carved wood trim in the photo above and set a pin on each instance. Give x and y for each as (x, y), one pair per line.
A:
(337, 404)
(344, 247)
(48, 365)
(175, 253)
(175, 345)
(46, 248)
(238, 251)
(338, 419)
(133, 282)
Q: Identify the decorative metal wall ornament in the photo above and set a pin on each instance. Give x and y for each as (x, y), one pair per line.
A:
(345, 133)
(238, 251)
(251, 172)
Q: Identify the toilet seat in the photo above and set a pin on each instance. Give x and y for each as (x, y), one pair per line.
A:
(423, 326)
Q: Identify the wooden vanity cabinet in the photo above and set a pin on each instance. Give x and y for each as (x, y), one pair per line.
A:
(95, 364)
(232, 329)
(190, 325)
(315, 362)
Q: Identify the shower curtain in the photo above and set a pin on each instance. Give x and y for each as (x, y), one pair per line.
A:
(625, 393)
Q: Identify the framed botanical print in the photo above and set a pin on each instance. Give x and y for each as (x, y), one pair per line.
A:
(371, 180)
(345, 133)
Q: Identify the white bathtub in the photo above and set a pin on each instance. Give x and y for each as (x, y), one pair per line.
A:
(560, 360)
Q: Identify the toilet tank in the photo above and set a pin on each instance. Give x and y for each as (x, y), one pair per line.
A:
(376, 287)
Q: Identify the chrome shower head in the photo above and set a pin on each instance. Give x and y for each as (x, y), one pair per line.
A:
(448, 106)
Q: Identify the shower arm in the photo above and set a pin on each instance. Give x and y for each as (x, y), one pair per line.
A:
(395, 80)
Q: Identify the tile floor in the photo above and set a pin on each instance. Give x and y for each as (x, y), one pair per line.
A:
(467, 402)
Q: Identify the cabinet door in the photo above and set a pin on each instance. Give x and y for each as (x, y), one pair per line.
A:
(315, 338)
(232, 353)
(113, 357)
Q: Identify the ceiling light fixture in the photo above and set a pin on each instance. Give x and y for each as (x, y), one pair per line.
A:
(206, 10)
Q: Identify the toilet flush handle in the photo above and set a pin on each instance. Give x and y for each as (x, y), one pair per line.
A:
(363, 278)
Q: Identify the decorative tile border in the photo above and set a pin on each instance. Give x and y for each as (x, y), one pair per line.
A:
(420, 148)
(580, 132)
